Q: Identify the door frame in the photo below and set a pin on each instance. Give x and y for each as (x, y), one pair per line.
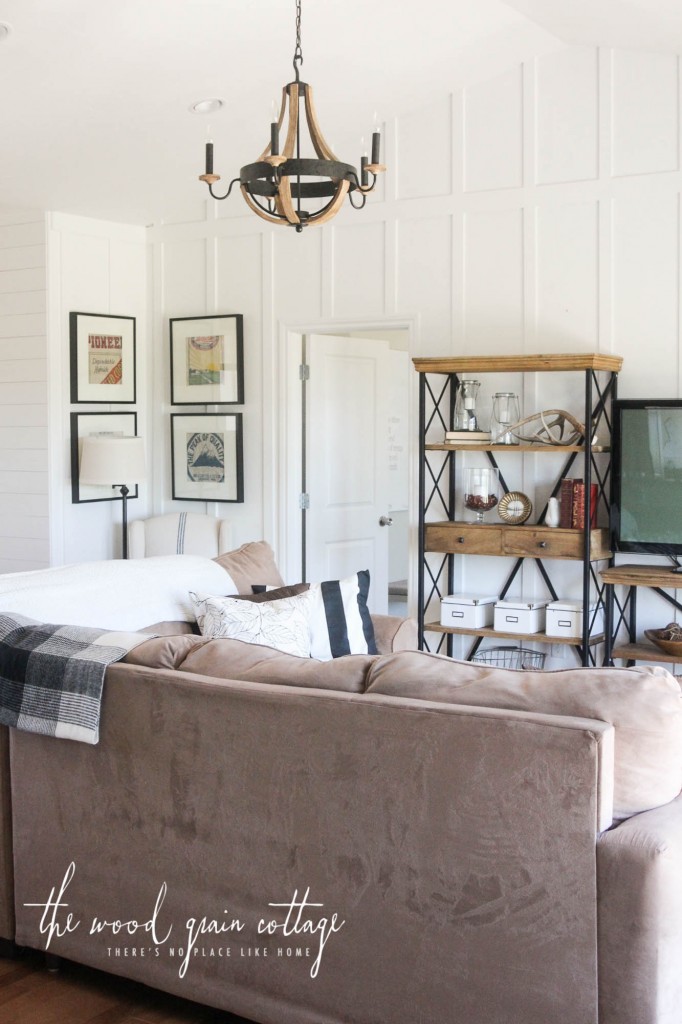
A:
(282, 428)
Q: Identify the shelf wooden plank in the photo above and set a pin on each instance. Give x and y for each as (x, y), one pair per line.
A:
(643, 652)
(488, 631)
(534, 448)
(519, 364)
(643, 576)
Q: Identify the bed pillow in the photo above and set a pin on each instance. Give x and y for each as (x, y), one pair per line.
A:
(252, 563)
(340, 622)
(283, 624)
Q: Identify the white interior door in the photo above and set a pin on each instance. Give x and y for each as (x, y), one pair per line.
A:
(347, 461)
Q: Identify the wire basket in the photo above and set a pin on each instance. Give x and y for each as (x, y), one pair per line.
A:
(510, 657)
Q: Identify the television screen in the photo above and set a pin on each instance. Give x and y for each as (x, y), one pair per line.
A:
(647, 507)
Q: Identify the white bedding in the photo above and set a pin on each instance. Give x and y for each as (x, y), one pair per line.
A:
(117, 594)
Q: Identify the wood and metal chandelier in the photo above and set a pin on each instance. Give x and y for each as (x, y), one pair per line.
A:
(280, 185)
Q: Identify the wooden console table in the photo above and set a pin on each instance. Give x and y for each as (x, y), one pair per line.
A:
(659, 578)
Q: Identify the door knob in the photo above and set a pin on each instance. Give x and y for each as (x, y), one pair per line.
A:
(385, 521)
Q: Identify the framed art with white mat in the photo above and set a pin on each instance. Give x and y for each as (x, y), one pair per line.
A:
(207, 456)
(207, 360)
(102, 358)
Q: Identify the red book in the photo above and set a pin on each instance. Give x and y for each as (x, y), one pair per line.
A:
(578, 514)
(566, 504)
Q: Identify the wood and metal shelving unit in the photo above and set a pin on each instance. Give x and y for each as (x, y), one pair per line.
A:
(447, 539)
(619, 614)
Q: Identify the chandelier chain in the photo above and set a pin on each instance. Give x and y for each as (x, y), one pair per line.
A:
(298, 52)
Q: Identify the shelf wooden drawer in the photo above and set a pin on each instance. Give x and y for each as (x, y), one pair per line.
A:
(464, 538)
(513, 541)
(544, 542)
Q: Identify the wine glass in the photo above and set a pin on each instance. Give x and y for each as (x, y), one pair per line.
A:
(481, 490)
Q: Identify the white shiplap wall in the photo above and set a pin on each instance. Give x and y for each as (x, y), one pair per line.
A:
(24, 506)
(535, 211)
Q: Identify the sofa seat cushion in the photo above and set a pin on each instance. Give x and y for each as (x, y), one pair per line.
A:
(643, 704)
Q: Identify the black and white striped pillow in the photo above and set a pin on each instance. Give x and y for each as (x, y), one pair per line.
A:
(340, 622)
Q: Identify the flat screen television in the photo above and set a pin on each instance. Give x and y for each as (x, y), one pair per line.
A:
(646, 513)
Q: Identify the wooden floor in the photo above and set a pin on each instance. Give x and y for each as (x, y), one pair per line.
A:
(79, 995)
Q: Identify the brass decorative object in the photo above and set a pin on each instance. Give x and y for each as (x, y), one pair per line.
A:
(515, 508)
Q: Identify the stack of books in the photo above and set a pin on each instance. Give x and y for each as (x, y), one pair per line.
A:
(572, 505)
(467, 437)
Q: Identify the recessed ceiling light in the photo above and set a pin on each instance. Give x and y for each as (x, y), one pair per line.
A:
(5, 30)
(206, 106)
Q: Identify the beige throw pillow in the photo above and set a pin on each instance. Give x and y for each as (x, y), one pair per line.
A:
(251, 564)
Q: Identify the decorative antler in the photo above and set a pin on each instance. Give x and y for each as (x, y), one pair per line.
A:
(551, 431)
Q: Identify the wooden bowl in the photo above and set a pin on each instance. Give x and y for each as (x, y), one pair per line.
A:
(657, 637)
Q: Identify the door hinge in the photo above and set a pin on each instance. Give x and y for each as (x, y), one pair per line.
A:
(304, 501)
(304, 372)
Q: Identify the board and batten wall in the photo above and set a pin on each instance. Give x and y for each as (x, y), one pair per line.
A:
(93, 267)
(535, 211)
(24, 482)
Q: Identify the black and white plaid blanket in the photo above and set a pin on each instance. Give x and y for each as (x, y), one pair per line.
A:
(51, 677)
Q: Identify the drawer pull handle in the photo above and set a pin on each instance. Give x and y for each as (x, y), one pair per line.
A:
(461, 540)
(542, 543)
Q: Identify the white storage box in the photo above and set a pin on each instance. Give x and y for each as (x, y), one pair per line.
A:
(520, 616)
(469, 611)
(565, 618)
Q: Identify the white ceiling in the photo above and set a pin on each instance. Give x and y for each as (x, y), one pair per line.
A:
(94, 94)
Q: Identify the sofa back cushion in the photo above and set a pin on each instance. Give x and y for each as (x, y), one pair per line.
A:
(234, 659)
(643, 704)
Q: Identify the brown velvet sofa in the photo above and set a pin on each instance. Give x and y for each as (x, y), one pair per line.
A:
(499, 848)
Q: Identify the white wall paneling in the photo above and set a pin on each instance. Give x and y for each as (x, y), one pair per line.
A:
(24, 480)
(423, 151)
(645, 103)
(493, 133)
(95, 267)
(567, 116)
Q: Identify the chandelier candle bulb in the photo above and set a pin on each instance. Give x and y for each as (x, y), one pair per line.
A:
(274, 139)
(376, 147)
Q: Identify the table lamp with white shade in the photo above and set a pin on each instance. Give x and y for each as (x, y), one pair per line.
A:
(108, 461)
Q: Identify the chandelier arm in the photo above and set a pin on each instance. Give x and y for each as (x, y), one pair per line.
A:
(272, 218)
(323, 150)
(232, 183)
(332, 208)
(364, 189)
(360, 205)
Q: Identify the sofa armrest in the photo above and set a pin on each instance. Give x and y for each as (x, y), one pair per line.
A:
(639, 866)
(393, 633)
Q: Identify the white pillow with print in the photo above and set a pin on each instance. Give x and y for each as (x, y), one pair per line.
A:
(283, 624)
